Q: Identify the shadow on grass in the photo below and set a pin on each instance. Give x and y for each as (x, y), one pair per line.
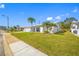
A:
(60, 33)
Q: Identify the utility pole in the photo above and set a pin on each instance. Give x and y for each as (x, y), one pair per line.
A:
(7, 18)
(8, 22)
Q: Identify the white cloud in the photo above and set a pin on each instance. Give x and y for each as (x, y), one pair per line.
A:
(2, 5)
(75, 10)
(58, 18)
(49, 18)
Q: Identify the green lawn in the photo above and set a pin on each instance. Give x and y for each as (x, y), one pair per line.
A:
(52, 44)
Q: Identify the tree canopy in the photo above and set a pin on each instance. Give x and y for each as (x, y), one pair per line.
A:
(31, 20)
(67, 23)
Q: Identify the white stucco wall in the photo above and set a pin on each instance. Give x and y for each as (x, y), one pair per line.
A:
(78, 32)
(27, 30)
(74, 25)
(41, 29)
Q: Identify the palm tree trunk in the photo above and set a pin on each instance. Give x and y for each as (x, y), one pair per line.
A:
(47, 29)
(31, 27)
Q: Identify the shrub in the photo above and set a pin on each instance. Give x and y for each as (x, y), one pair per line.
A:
(46, 31)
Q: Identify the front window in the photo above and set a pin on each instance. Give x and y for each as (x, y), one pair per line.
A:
(38, 29)
(78, 27)
(75, 31)
(73, 27)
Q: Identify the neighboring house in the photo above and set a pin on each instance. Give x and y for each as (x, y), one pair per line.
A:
(33, 29)
(75, 27)
(41, 29)
(27, 29)
(54, 29)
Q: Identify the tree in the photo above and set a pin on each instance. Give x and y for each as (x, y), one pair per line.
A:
(13, 28)
(31, 20)
(48, 25)
(65, 25)
(70, 19)
(68, 22)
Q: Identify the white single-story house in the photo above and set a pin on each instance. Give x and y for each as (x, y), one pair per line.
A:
(34, 29)
(75, 27)
(27, 29)
(41, 29)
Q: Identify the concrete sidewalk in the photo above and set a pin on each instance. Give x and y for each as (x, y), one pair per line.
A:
(19, 48)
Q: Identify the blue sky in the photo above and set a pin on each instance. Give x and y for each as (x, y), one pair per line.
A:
(19, 12)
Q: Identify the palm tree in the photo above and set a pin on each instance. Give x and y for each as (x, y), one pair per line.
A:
(52, 24)
(31, 20)
(48, 24)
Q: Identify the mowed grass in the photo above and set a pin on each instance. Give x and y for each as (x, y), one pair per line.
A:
(52, 44)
